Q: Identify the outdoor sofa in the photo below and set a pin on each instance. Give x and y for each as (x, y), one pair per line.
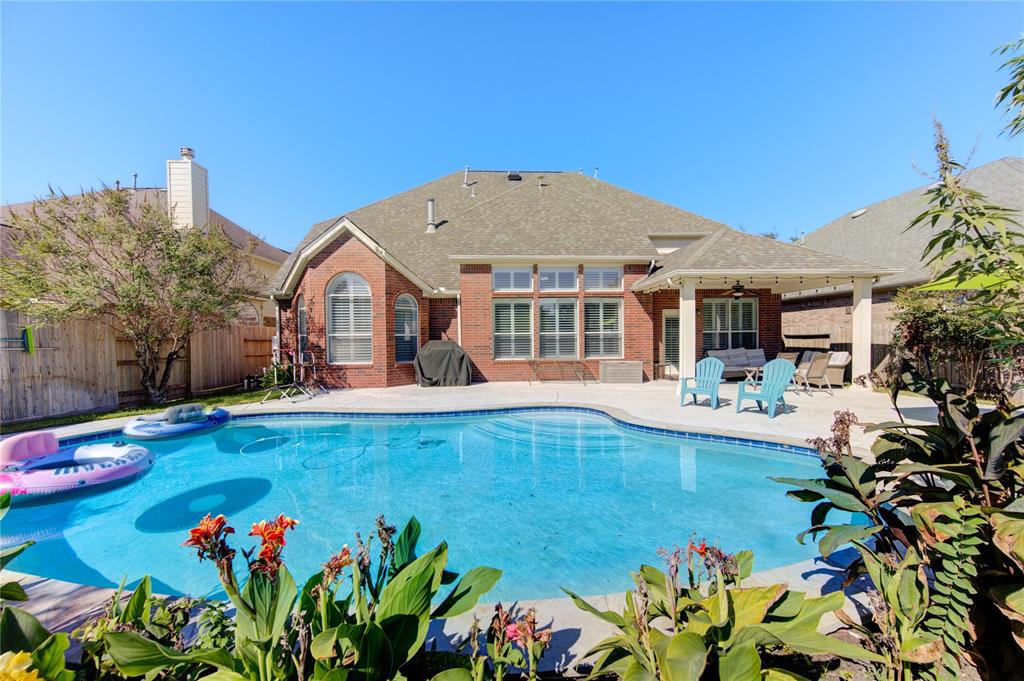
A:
(737, 359)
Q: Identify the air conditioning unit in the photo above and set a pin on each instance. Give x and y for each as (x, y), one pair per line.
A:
(622, 371)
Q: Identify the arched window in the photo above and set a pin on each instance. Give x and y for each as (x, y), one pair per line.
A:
(349, 320)
(301, 329)
(407, 328)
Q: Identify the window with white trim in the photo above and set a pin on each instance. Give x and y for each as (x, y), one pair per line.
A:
(557, 279)
(349, 320)
(602, 278)
(557, 320)
(301, 330)
(602, 327)
(512, 278)
(407, 328)
(513, 329)
(730, 323)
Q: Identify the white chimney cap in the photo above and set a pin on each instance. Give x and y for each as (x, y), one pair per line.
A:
(187, 153)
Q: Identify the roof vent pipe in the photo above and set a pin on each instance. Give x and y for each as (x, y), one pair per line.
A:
(596, 168)
(465, 177)
(431, 224)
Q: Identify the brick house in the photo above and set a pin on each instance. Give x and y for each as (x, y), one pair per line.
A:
(822, 315)
(535, 273)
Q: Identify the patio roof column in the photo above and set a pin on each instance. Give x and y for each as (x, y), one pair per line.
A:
(688, 328)
(862, 326)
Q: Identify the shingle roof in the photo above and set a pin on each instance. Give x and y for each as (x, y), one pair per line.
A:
(551, 214)
(879, 234)
(238, 234)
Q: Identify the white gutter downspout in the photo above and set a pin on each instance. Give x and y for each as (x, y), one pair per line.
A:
(458, 315)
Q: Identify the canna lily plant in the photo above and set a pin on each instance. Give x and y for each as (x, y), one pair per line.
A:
(710, 627)
(357, 619)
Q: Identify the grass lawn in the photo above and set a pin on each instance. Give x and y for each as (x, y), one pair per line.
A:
(220, 399)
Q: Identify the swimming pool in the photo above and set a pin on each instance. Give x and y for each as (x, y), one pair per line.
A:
(552, 497)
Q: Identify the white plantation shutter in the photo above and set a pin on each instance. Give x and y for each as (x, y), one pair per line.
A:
(602, 328)
(349, 321)
(512, 278)
(407, 328)
(513, 329)
(302, 330)
(670, 327)
(602, 278)
(730, 323)
(557, 328)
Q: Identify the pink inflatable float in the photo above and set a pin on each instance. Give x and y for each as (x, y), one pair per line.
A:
(33, 465)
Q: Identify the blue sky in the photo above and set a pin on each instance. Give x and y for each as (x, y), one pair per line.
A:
(765, 116)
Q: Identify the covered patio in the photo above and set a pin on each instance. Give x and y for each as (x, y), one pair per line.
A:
(729, 289)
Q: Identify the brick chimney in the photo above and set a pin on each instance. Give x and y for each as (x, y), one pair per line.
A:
(188, 194)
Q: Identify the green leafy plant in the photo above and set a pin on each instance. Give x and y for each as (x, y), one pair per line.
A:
(369, 630)
(948, 493)
(20, 632)
(710, 627)
(381, 621)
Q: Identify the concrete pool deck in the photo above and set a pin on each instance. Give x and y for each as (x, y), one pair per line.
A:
(652, 404)
(63, 606)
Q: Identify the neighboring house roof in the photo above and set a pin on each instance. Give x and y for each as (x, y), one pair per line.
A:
(236, 233)
(542, 216)
(878, 233)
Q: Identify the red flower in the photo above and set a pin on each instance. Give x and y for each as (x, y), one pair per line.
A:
(209, 537)
(700, 550)
(271, 534)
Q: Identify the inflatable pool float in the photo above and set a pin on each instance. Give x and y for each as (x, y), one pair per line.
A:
(34, 465)
(184, 419)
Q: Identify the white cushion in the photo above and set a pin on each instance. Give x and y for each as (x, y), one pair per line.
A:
(839, 359)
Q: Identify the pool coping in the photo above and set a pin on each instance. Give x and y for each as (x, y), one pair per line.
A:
(812, 576)
(618, 416)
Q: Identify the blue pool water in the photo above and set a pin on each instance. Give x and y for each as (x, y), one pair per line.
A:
(552, 498)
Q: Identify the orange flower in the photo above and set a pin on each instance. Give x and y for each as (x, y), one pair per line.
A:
(209, 537)
(271, 534)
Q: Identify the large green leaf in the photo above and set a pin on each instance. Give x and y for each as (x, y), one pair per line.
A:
(136, 606)
(749, 606)
(841, 499)
(11, 552)
(684, 658)
(1009, 535)
(608, 616)
(12, 591)
(271, 601)
(20, 631)
(637, 672)
(456, 674)
(48, 659)
(840, 535)
(467, 592)
(776, 674)
(1001, 436)
(5, 504)
(135, 655)
(224, 675)
(1009, 598)
(405, 601)
(740, 663)
(405, 545)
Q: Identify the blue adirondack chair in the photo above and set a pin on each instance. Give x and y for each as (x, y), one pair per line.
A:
(709, 377)
(776, 377)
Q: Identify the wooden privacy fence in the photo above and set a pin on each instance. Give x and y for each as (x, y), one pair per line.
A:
(81, 366)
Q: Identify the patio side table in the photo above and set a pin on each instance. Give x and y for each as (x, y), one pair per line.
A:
(752, 372)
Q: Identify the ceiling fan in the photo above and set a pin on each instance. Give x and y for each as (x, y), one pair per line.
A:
(738, 290)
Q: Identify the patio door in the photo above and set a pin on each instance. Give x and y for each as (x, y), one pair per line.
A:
(670, 342)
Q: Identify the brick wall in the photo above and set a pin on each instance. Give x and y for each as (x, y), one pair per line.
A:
(347, 254)
(477, 326)
(444, 319)
(438, 318)
(833, 316)
(769, 318)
